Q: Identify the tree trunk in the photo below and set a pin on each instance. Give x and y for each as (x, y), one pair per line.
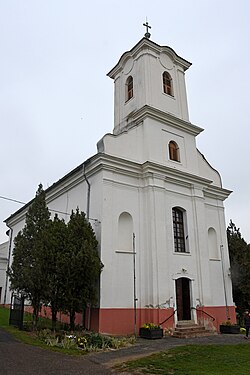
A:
(35, 316)
(54, 314)
(72, 320)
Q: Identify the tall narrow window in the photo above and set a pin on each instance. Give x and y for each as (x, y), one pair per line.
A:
(167, 83)
(173, 151)
(129, 88)
(178, 226)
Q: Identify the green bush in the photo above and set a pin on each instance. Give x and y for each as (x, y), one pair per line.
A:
(65, 342)
(150, 326)
(87, 341)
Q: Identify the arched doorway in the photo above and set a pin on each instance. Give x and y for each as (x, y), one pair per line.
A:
(182, 287)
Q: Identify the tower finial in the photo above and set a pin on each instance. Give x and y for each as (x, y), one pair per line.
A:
(147, 34)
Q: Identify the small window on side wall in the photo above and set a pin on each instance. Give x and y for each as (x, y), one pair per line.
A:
(129, 88)
(174, 153)
(167, 83)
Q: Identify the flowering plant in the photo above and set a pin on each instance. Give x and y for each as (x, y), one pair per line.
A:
(82, 342)
(150, 326)
(228, 323)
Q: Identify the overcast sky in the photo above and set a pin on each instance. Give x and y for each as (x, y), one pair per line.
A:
(56, 101)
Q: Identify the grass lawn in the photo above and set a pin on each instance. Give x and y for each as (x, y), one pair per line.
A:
(4, 317)
(184, 360)
(195, 359)
(81, 343)
(20, 335)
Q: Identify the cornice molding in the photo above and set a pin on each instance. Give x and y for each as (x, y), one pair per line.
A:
(164, 117)
(215, 192)
(105, 162)
(174, 175)
(148, 45)
(70, 180)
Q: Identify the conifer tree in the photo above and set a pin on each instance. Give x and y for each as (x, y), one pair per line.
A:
(81, 265)
(28, 270)
(239, 253)
(56, 242)
(55, 263)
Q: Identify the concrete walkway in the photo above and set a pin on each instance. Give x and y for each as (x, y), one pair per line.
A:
(145, 347)
(17, 358)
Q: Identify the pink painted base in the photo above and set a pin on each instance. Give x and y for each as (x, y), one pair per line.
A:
(46, 313)
(121, 321)
(220, 313)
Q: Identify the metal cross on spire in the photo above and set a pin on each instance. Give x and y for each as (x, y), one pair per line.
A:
(147, 34)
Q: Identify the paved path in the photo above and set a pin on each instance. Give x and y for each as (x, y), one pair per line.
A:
(17, 358)
(145, 347)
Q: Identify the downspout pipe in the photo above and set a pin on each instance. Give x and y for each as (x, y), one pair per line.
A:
(87, 217)
(10, 233)
(224, 282)
(88, 191)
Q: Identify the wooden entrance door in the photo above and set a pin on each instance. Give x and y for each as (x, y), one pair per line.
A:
(182, 286)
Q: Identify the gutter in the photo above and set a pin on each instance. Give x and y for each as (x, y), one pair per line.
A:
(88, 191)
(87, 217)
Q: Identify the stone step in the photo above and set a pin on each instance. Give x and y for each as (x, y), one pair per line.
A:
(191, 329)
(186, 329)
(186, 335)
(184, 323)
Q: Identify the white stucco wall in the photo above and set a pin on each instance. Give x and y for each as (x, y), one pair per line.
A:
(150, 201)
(3, 269)
(149, 142)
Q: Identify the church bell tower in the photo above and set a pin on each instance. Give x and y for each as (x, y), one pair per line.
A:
(152, 76)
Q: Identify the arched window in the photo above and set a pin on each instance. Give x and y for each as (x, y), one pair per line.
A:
(129, 88)
(167, 83)
(125, 232)
(179, 230)
(174, 153)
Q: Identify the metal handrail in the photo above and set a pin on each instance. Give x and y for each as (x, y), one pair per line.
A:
(194, 308)
(164, 321)
(204, 312)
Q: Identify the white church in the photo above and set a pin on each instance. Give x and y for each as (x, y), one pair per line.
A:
(154, 201)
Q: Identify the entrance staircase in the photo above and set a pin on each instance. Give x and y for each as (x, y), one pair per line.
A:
(188, 328)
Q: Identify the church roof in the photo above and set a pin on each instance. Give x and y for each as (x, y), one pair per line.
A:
(53, 186)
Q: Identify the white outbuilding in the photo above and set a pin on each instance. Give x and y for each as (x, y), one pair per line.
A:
(3, 269)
